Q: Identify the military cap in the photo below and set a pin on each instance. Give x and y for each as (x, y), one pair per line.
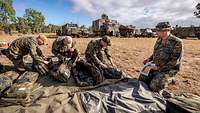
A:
(106, 39)
(163, 26)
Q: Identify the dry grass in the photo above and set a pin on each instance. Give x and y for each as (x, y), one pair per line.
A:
(129, 53)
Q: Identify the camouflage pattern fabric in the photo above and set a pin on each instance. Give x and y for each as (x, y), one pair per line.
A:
(112, 73)
(162, 80)
(30, 65)
(94, 53)
(86, 74)
(62, 52)
(6, 80)
(167, 57)
(41, 68)
(23, 89)
(59, 71)
(21, 47)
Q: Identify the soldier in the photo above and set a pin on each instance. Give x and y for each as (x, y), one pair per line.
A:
(166, 58)
(24, 46)
(64, 47)
(94, 52)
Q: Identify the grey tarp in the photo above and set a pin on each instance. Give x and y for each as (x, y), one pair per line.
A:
(124, 96)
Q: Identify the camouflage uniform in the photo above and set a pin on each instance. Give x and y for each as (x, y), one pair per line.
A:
(94, 53)
(167, 57)
(21, 47)
(62, 52)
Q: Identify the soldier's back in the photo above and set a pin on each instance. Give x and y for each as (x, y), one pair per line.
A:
(22, 44)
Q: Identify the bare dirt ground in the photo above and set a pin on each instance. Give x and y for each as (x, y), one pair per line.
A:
(129, 53)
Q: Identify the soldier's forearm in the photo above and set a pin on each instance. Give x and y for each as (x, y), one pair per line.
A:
(96, 60)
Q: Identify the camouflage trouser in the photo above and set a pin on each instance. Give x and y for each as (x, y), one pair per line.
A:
(158, 80)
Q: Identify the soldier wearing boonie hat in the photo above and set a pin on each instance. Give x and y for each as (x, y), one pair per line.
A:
(166, 56)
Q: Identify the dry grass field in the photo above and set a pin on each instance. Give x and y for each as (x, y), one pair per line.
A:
(129, 53)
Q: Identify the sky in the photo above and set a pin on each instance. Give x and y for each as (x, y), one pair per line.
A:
(140, 13)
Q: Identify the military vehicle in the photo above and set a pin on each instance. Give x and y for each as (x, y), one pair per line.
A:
(69, 29)
(127, 31)
(105, 26)
(184, 32)
(147, 32)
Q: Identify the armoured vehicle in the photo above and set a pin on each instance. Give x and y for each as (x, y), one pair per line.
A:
(105, 26)
(127, 31)
(69, 29)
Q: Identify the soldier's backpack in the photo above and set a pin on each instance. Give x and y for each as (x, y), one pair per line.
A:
(112, 73)
(6, 80)
(185, 103)
(23, 91)
(85, 74)
(59, 71)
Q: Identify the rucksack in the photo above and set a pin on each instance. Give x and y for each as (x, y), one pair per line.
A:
(86, 74)
(6, 80)
(112, 73)
(59, 71)
(24, 90)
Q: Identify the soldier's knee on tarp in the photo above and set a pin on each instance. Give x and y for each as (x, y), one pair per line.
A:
(158, 83)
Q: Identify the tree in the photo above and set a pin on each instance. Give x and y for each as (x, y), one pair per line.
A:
(50, 28)
(35, 20)
(23, 25)
(197, 13)
(7, 14)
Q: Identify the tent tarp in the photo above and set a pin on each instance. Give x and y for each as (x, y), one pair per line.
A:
(124, 96)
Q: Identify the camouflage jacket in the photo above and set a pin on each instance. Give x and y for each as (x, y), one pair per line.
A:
(167, 56)
(94, 52)
(26, 45)
(58, 48)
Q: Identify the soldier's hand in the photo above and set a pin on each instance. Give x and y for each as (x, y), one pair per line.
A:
(103, 65)
(45, 62)
(71, 49)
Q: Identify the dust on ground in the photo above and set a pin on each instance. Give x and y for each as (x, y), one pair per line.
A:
(129, 53)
